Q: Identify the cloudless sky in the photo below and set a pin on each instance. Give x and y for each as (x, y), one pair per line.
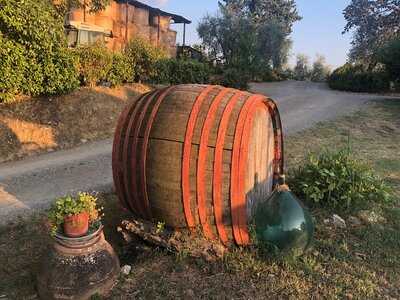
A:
(320, 30)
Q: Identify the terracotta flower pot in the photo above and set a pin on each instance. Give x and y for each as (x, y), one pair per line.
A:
(76, 225)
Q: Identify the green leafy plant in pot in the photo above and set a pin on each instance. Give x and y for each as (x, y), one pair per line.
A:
(73, 216)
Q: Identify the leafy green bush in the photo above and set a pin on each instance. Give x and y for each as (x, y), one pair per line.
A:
(337, 180)
(179, 71)
(235, 78)
(271, 76)
(143, 57)
(12, 66)
(33, 38)
(354, 78)
(121, 71)
(95, 62)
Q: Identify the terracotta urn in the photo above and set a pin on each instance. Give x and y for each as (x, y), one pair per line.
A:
(78, 268)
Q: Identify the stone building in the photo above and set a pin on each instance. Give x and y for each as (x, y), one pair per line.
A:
(121, 21)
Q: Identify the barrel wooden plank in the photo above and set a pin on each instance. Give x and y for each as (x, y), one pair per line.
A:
(198, 155)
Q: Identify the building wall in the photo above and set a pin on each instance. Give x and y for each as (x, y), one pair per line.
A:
(126, 22)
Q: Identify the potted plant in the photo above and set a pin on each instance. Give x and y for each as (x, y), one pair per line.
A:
(73, 216)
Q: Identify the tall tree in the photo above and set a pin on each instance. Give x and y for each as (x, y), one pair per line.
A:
(250, 33)
(320, 70)
(263, 11)
(374, 22)
(302, 69)
(64, 6)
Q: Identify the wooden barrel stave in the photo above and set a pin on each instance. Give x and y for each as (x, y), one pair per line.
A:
(158, 144)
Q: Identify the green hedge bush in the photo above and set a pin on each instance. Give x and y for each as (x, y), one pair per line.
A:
(12, 69)
(32, 39)
(121, 71)
(235, 78)
(354, 78)
(337, 180)
(94, 63)
(271, 76)
(143, 57)
(180, 71)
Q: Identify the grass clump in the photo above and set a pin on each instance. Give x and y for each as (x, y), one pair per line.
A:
(337, 180)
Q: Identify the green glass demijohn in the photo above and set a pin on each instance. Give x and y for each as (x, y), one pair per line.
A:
(282, 223)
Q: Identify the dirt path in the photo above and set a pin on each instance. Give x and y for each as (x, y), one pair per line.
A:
(33, 183)
(302, 104)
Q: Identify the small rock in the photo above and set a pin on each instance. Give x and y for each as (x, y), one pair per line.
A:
(370, 217)
(360, 255)
(84, 141)
(190, 293)
(126, 270)
(50, 150)
(354, 221)
(338, 221)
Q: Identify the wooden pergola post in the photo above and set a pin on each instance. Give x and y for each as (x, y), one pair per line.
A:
(184, 34)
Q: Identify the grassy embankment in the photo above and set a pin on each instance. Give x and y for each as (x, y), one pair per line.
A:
(44, 124)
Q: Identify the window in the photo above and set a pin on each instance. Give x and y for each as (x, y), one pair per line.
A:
(90, 37)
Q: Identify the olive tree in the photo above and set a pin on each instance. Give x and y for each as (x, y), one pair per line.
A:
(320, 70)
(374, 23)
(250, 34)
(302, 68)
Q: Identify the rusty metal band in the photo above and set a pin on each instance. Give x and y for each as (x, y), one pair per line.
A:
(218, 166)
(278, 140)
(130, 185)
(134, 155)
(236, 202)
(120, 132)
(146, 137)
(202, 161)
(243, 160)
(187, 148)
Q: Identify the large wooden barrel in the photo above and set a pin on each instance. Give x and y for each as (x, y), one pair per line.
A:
(198, 156)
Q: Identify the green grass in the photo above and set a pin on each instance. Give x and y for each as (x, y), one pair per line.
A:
(352, 263)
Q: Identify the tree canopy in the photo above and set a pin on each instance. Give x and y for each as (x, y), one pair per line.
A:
(63, 6)
(249, 34)
(373, 23)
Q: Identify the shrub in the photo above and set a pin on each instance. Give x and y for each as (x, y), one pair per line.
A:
(179, 71)
(12, 66)
(271, 76)
(95, 63)
(33, 38)
(121, 71)
(143, 57)
(354, 78)
(235, 78)
(337, 180)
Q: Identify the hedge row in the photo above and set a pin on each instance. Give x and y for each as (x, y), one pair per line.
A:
(354, 78)
(177, 71)
(34, 58)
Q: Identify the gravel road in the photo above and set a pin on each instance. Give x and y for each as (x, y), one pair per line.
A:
(31, 184)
